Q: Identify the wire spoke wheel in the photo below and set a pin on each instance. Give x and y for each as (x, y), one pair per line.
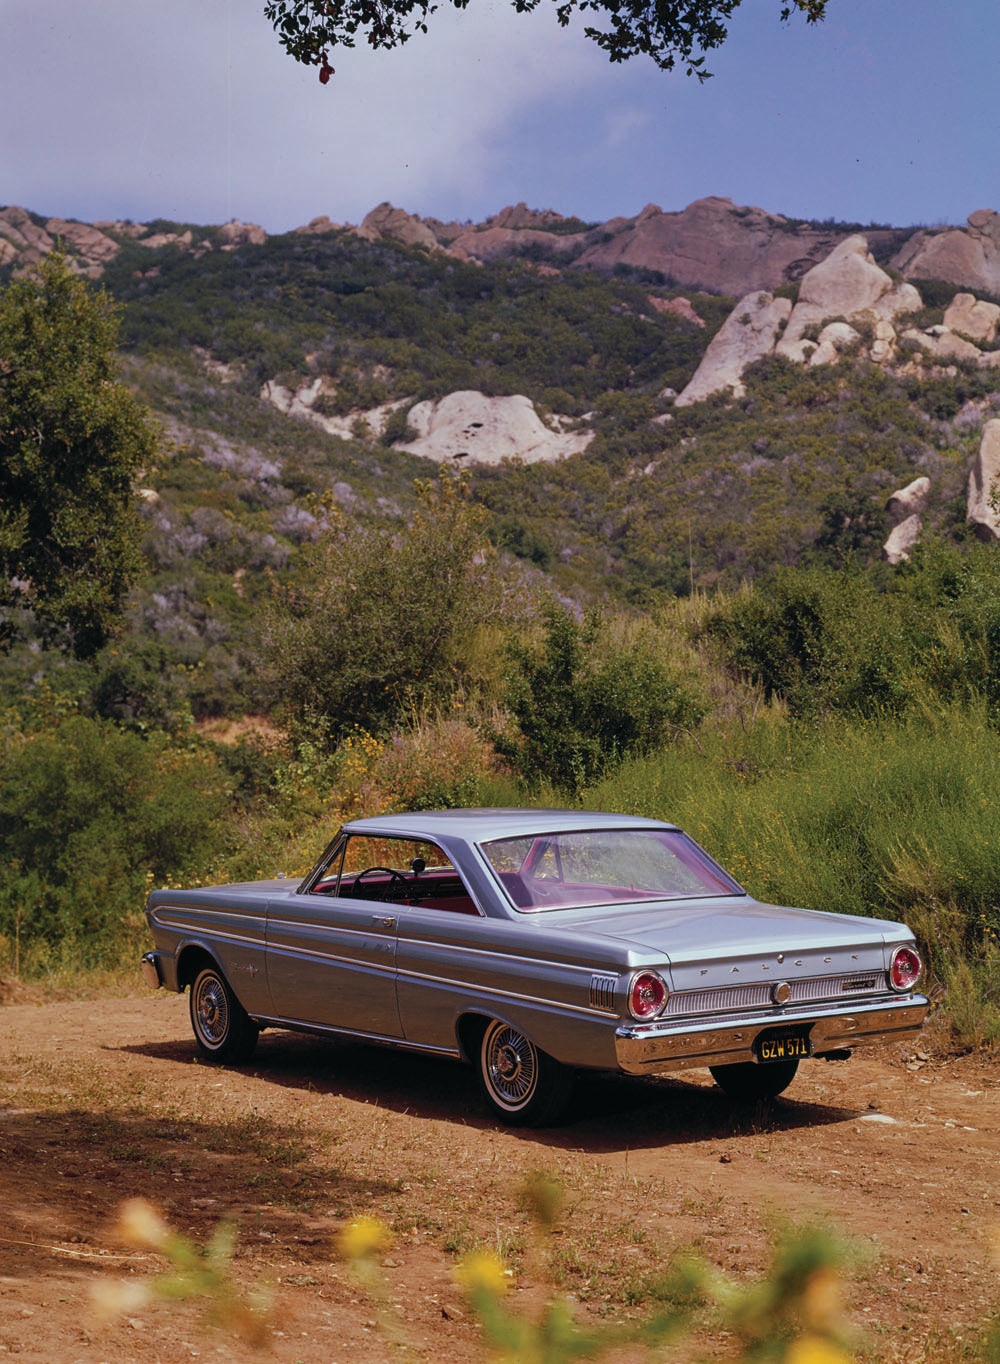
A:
(222, 1027)
(522, 1085)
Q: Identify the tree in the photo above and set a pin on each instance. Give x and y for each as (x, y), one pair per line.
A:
(384, 620)
(669, 31)
(72, 439)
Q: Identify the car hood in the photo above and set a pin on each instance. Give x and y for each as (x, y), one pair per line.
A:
(738, 939)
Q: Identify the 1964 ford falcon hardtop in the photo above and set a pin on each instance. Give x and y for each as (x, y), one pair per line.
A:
(536, 944)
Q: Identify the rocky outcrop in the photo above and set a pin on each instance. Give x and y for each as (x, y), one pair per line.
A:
(680, 307)
(748, 334)
(836, 339)
(316, 227)
(712, 244)
(901, 540)
(911, 500)
(974, 319)
(23, 235)
(86, 241)
(306, 403)
(847, 285)
(966, 256)
(984, 484)
(467, 427)
(235, 233)
(942, 344)
(396, 225)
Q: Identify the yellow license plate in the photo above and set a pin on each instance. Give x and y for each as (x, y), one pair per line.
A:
(782, 1048)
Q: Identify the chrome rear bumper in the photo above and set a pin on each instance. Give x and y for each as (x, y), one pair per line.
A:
(658, 1048)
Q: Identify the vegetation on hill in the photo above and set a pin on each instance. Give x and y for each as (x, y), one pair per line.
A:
(690, 618)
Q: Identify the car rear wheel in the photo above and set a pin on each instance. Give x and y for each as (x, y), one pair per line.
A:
(223, 1029)
(749, 1081)
(523, 1086)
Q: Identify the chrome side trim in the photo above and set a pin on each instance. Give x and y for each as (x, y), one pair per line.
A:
(658, 1048)
(379, 1039)
(187, 926)
(485, 992)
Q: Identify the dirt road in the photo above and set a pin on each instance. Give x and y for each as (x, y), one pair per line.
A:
(105, 1099)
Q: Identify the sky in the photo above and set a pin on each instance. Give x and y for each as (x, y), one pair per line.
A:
(190, 110)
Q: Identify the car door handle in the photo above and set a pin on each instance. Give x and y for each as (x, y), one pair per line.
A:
(384, 921)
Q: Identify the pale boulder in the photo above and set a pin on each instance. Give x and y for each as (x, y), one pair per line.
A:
(901, 540)
(966, 256)
(833, 341)
(235, 233)
(468, 427)
(94, 246)
(984, 484)
(847, 284)
(975, 320)
(748, 334)
(17, 226)
(397, 225)
(911, 500)
(942, 344)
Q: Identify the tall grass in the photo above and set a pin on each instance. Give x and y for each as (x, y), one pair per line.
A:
(896, 819)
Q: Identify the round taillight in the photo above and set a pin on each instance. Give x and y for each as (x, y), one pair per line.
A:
(647, 995)
(904, 969)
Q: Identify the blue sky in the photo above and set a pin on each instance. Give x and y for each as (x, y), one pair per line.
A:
(189, 110)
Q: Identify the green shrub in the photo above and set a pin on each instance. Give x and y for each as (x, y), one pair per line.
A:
(89, 818)
(581, 706)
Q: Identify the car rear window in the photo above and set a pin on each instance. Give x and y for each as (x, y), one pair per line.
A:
(604, 867)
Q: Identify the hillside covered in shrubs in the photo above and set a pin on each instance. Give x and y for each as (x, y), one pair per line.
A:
(691, 617)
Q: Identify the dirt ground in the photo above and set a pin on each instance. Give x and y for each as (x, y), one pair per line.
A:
(106, 1099)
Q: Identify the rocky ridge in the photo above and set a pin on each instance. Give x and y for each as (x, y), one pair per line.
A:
(712, 244)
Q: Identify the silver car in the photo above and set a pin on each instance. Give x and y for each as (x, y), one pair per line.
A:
(537, 945)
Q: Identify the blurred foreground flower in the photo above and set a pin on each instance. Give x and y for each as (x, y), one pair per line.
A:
(364, 1238)
(482, 1272)
(195, 1272)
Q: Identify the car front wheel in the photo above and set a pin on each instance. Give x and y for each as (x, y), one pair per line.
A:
(223, 1029)
(523, 1086)
(749, 1081)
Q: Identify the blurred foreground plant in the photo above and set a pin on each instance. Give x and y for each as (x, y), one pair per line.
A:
(201, 1272)
(792, 1316)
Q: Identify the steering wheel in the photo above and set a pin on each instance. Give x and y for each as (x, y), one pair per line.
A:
(394, 878)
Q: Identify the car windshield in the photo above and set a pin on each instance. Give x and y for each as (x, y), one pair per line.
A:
(604, 867)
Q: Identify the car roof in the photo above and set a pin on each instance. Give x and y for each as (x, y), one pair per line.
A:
(479, 825)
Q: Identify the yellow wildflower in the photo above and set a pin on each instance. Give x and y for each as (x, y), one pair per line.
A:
(482, 1271)
(364, 1238)
(815, 1350)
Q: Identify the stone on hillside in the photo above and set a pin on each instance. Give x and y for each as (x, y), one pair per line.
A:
(966, 256)
(18, 228)
(681, 307)
(397, 225)
(94, 246)
(235, 234)
(747, 334)
(301, 403)
(901, 540)
(316, 227)
(847, 284)
(942, 344)
(520, 216)
(490, 242)
(984, 484)
(911, 500)
(834, 340)
(974, 319)
(713, 244)
(468, 427)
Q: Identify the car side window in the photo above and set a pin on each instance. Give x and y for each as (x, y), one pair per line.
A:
(403, 871)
